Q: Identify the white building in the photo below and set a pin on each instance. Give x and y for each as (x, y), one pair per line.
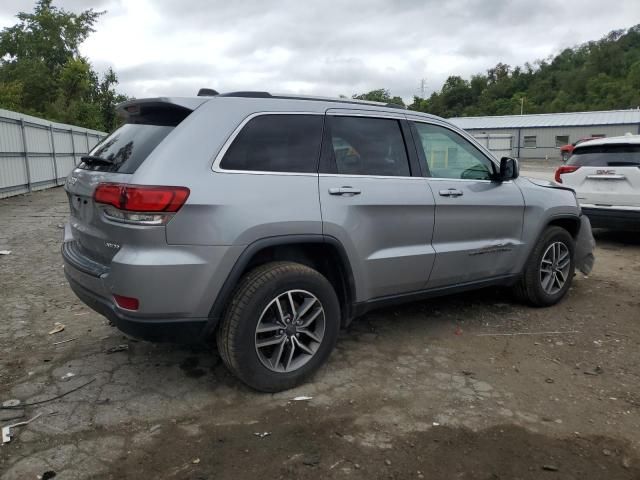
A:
(541, 135)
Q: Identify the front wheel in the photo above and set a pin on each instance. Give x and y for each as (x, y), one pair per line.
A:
(549, 271)
(280, 327)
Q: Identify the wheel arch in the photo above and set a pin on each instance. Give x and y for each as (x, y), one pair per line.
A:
(321, 252)
(570, 223)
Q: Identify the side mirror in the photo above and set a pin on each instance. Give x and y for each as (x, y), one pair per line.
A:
(508, 169)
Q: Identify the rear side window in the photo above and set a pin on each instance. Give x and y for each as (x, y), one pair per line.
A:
(606, 156)
(368, 146)
(276, 143)
(126, 148)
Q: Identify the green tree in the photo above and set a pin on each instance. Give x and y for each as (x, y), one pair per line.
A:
(43, 73)
(380, 95)
(11, 95)
(598, 75)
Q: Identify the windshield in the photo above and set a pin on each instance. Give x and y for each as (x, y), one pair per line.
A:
(606, 156)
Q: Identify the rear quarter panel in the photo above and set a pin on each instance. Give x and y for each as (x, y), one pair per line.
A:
(228, 208)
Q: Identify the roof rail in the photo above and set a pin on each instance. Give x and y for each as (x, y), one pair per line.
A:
(257, 94)
(247, 94)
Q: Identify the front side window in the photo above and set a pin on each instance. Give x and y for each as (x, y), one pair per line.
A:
(448, 155)
(368, 146)
(276, 143)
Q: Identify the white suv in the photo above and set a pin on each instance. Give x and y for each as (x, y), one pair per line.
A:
(605, 173)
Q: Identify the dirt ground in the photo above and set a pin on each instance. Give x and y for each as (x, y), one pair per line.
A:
(465, 387)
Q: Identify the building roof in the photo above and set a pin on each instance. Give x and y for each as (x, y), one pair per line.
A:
(574, 119)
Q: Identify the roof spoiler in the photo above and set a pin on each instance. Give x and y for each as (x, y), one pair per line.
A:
(137, 106)
(207, 92)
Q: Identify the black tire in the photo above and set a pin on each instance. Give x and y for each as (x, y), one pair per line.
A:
(236, 337)
(529, 288)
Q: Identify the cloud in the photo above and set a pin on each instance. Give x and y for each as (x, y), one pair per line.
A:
(329, 47)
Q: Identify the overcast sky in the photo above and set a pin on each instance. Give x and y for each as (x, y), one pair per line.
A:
(328, 47)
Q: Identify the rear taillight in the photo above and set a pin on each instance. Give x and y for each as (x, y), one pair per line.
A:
(149, 205)
(140, 198)
(565, 169)
(128, 303)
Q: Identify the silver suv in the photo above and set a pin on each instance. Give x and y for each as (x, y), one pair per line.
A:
(271, 221)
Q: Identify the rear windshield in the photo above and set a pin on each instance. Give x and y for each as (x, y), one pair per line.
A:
(126, 148)
(606, 156)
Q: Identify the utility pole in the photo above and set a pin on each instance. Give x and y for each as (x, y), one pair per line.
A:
(423, 87)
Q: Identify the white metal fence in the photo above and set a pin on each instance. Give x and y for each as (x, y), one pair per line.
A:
(37, 154)
(500, 144)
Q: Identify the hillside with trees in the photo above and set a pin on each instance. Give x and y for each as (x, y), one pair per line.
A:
(42, 72)
(598, 75)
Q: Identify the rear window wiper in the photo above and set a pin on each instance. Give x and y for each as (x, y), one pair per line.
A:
(93, 159)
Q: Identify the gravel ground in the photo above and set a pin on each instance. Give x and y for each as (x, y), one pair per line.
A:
(471, 386)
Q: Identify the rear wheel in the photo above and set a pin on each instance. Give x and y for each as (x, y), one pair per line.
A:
(280, 327)
(549, 271)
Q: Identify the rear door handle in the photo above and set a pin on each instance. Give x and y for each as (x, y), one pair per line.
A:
(451, 192)
(344, 191)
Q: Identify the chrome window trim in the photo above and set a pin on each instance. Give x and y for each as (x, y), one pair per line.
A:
(348, 112)
(215, 166)
(445, 179)
(355, 175)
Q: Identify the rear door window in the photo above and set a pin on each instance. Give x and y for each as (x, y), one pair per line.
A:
(369, 146)
(276, 143)
(606, 156)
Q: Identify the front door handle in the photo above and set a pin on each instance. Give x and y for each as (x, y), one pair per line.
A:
(344, 191)
(451, 192)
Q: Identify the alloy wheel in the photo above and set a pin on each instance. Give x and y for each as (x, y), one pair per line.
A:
(555, 267)
(290, 331)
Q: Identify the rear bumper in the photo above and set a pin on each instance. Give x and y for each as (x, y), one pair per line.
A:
(175, 285)
(613, 218)
(180, 330)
